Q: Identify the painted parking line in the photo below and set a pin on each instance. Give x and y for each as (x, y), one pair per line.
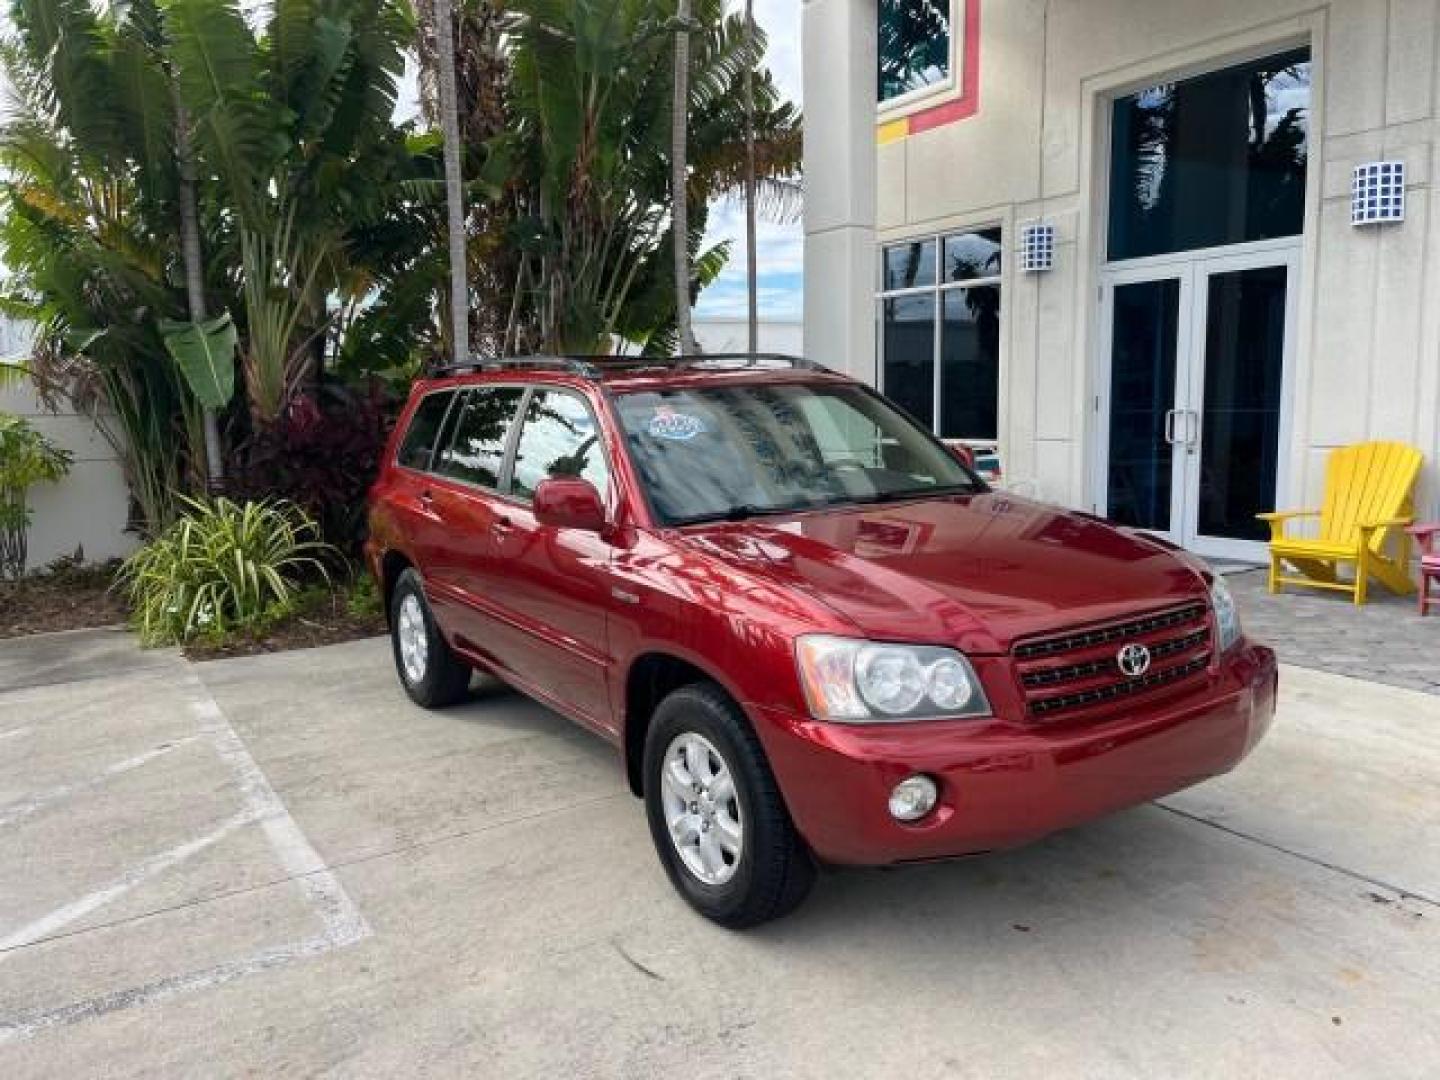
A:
(23, 808)
(342, 923)
(52, 923)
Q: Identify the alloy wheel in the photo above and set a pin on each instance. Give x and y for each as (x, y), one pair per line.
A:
(414, 639)
(702, 810)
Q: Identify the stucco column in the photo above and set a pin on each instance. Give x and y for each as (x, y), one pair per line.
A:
(839, 50)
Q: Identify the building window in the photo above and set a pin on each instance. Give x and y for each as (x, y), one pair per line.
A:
(940, 332)
(1217, 159)
(915, 46)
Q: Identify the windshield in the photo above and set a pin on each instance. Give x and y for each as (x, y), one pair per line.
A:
(731, 452)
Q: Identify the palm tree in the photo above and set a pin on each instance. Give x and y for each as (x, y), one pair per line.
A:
(191, 251)
(752, 277)
(454, 194)
(679, 186)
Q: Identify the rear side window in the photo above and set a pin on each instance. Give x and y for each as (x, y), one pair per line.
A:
(560, 439)
(419, 445)
(475, 453)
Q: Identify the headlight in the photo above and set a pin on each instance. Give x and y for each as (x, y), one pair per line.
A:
(864, 682)
(1227, 616)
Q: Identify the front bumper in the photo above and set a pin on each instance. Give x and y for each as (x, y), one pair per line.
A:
(1003, 783)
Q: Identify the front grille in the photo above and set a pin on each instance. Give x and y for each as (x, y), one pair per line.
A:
(1084, 639)
(1077, 671)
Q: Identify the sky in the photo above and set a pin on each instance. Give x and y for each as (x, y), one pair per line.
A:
(779, 246)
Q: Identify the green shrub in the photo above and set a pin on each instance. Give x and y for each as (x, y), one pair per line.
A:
(364, 599)
(27, 458)
(223, 566)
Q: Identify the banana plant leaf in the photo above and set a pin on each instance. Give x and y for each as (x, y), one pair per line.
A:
(205, 354)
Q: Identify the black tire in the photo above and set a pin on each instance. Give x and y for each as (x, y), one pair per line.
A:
(774, 871)
(443, 678)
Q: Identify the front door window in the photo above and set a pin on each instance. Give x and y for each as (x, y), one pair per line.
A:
(1194, 395)
(1142, 403)
(1240, 430)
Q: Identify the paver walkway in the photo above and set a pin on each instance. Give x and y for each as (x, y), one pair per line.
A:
(1385, 641)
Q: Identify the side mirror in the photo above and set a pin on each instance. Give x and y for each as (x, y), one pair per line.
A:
(962, 453)
(568, 503)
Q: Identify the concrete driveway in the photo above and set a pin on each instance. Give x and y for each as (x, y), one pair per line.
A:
(277, 866)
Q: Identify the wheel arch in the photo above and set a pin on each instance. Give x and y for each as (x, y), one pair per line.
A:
(392, 564)
(652, 676)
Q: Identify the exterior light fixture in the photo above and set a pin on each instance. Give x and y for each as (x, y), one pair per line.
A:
(1377, 193)
(1037, 248)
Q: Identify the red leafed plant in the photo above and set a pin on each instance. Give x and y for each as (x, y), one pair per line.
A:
(322, 455)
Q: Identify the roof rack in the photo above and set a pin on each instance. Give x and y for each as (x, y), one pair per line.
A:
(593, 367)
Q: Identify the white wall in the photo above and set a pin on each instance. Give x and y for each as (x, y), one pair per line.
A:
(88, 509)
(1368, 356)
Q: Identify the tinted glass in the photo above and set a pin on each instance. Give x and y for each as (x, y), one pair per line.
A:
(559, 439)
(475, 452)
(968, 256)
(908, 336)
(970, 363)
(1244, 362)
(1218, 159)
(914, 45)
(740, 451)
(910, 266)
(420, 438)
(1142, 393)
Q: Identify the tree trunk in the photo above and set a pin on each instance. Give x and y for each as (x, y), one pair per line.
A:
(195, 280)
(679, 162)
(454, 194)
(752, 275)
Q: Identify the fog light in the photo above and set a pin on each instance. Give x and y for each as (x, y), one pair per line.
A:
(912, 799)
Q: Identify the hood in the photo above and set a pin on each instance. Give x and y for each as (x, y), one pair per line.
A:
(978, 571)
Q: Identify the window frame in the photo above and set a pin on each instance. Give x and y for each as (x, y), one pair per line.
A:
(938, 291)
(1107, 98)
(517, 425)
(453, 393)
(902, 105)
(462, 392)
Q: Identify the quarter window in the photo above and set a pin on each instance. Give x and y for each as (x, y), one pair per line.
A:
(940, 332)
(419, 445)
(559, 439)
(914, 47)
(480, 421)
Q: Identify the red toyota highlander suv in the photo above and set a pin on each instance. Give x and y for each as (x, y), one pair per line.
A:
(810, 631)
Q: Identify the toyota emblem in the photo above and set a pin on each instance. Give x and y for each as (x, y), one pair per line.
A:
(1134, 661)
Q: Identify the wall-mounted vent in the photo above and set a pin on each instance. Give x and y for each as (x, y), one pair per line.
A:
(1377, 194)
(1037, 248)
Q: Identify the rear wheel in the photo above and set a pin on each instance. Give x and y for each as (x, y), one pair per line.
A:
(716, 816)
(431, 673)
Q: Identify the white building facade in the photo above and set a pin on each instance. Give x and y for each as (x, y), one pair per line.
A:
(1126, 239)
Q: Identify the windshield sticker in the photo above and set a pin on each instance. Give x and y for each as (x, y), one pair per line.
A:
(675, 426)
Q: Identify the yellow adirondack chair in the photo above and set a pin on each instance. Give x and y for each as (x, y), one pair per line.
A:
(1368, 502)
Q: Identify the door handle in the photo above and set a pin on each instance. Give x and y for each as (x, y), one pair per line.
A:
(1192, 429)
(427, 499)
(501, 525)
(1170, 418)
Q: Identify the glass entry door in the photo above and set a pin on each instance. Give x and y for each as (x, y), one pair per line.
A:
(1192, 398)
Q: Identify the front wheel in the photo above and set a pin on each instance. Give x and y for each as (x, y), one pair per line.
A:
(431, 673)
(716, 816)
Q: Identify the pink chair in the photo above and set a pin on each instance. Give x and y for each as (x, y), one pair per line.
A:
(1429, 561)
